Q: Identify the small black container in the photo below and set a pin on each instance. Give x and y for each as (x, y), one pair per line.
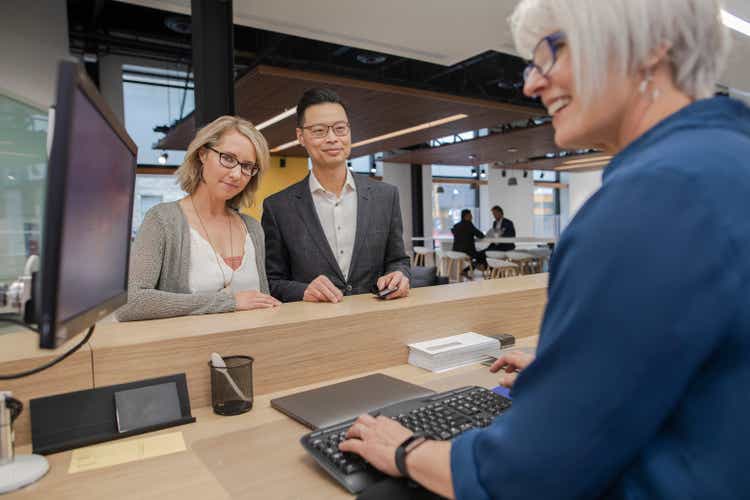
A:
(235, 396)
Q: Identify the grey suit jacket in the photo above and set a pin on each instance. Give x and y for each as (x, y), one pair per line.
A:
(297, 250)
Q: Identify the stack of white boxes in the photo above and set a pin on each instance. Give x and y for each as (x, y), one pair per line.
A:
(451, 352)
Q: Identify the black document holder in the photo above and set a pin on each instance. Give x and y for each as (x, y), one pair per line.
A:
(82, 418)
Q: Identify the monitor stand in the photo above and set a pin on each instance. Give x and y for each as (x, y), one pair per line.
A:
(22, 471)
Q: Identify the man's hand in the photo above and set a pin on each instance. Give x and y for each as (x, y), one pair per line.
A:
(322, 290)
(396, 279)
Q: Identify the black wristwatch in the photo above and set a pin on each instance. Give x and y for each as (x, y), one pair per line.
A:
(407, 446)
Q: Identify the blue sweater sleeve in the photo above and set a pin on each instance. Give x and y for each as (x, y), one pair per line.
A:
(630, 318)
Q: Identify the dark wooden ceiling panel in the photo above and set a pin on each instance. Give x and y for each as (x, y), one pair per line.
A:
(374, 109)
(509, 147)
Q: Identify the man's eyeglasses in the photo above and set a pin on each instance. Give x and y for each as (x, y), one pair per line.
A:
(320, 130)
(229, 161)
(544, 56)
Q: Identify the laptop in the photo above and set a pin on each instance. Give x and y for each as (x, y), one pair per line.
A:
(336, 403)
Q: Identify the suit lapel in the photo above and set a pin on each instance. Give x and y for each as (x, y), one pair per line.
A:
(309, 216)
(363, 210)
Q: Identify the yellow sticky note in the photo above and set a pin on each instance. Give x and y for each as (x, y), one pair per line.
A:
(107, 455)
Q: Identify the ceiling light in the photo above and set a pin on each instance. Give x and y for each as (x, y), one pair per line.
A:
(179, 24)
(163, 158)
(472, 157)
(582, 166)
(285, 146)
(277, 118)
(588, 160)
(366, 58)
(735, 23)
(410, 130)
(512, 150)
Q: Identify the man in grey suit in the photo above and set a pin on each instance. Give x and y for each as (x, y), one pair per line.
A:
(332, 235)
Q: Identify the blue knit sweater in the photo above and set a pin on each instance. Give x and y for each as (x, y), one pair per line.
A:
(641, 386)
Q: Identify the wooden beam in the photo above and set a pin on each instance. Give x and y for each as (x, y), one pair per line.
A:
(554, 185)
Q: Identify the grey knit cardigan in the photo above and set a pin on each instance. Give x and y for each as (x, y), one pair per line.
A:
(160, 264)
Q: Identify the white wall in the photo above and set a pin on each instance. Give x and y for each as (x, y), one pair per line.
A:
(399, 175)
(581, 185)
(516, 201)
(33, 37)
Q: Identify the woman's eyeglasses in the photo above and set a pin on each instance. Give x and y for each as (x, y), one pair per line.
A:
(544, 56)
(229, 161)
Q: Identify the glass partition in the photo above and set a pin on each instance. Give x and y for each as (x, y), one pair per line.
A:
(23, 168)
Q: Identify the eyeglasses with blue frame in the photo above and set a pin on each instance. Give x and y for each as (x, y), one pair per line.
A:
(544, 55)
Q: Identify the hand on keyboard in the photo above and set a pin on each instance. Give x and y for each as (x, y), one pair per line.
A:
(376, 440)
(441, 416)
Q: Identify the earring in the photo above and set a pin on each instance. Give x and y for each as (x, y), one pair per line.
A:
(645, 82)
(643, 87)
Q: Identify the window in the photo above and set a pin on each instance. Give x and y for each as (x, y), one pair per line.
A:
(452, 139)
(448, 199)
(155, 97)
(458, 172)
(546, 206)
(361, 165)
(151, 190)
(23, 156)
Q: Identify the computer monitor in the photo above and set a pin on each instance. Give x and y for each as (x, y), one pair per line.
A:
(88, 212)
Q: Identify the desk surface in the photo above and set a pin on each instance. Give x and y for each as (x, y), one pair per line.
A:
(316, 339)
(254, 455)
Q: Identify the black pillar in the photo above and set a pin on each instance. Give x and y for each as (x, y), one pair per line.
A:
(213, 59)
(417, 202)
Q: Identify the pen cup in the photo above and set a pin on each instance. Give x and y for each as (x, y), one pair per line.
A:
(232, 387)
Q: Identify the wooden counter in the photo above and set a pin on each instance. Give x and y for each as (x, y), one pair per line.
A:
(294, 345)
(254, 455)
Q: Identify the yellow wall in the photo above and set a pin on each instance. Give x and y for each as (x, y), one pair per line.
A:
(276, 179)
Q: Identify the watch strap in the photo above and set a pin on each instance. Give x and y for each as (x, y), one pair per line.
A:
(404, 450)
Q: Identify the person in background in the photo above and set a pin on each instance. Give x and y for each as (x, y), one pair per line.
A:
(639, 385)
(333, 234)
(501, 228)
(199, 255)
(464, 235)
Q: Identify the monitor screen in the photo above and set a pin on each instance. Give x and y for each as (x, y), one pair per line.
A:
(88, 212)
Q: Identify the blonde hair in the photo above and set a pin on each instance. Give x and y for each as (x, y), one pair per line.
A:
(190, 173)
(621, 35)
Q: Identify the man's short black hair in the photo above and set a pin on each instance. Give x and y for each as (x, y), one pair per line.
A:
(464, 212)
(311, 97)
(497, 207)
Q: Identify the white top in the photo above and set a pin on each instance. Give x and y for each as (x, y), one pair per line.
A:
(338, 216)
(205, 275)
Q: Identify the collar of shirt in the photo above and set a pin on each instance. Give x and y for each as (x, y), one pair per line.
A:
(317, 187)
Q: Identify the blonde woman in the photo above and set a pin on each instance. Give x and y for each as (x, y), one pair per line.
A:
(199, 255)
(639, 388)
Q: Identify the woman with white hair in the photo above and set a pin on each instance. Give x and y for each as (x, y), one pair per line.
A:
(200, 255)
(640, 384)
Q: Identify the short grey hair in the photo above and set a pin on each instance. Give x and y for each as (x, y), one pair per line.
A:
(620, 35)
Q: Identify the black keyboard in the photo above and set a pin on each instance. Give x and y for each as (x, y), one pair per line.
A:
(441, 416)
